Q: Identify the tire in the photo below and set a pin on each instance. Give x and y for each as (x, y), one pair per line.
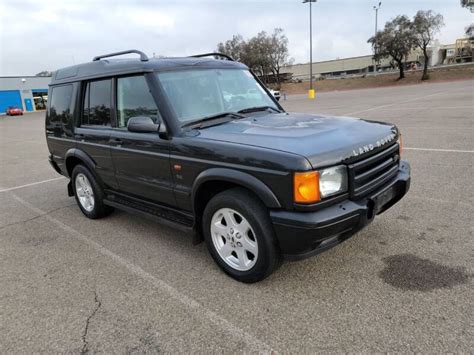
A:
(245, 248)
(85, 187)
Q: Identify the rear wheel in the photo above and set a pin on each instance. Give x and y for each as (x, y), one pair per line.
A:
(240, 236)
(88, 193)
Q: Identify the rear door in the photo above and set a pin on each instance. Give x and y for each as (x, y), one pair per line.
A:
(93, 133)
(141, 160)
(59, 118)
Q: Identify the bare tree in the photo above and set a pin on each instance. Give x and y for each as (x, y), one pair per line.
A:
(233, 47)
(395, 41)
(44, 73)
(279, 55)
(263, 53)
(425, 25)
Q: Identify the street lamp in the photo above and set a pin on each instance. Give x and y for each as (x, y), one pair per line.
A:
(376, 8)
(311, 90)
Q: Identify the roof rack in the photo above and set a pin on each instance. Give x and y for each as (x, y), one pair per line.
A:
(143, 56)
(222, 55)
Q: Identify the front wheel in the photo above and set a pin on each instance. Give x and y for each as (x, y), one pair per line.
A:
(240, 236)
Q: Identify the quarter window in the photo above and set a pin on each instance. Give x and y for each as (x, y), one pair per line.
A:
(134, 99)
(60, 103)
(97, 98)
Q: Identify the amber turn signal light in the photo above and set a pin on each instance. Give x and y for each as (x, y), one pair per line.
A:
(306, 187)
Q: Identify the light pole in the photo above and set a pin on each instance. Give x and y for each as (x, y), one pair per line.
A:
(376, 8)
(311, 90)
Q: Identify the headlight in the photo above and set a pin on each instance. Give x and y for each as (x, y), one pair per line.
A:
(332, 180)
(311, 187)
(400, 144)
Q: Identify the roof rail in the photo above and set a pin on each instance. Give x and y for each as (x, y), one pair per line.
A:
(143, 56)
(222, 55)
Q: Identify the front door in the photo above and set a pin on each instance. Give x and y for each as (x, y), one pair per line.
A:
(141, 160)
(28, 105)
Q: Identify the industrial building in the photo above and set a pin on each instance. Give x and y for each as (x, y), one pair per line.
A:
(439, 54)
(30, 93)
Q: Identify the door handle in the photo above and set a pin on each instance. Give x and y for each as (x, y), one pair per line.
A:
(117, 141)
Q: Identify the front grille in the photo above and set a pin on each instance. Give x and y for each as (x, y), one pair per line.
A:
(371, 173)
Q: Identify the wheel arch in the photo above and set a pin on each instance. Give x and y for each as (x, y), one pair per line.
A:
(222, 179)
(76, 156)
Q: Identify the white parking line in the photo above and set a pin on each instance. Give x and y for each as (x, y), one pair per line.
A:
(32, 184)
(431, 108)
(194, 306)
(440, 150)
(401, 103)
(405, 148)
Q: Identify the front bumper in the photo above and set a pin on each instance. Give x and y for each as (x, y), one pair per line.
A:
(304, 234)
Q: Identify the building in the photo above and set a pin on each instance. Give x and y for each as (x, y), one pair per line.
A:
(460, 52)
(345, 67)
(29, 93)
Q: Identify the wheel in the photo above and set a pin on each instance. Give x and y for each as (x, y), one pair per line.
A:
(240, 236)
(88, 193)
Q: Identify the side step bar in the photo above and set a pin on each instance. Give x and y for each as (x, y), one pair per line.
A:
(159, 213)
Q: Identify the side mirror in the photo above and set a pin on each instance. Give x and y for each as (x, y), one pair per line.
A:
(142, 124)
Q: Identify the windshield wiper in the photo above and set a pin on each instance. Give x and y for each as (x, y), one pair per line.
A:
(258, 108)
(212, 117)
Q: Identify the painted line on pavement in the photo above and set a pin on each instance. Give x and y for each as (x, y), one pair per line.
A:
(222, 323)
(405, 148)
(431, 108)
(404, 102)
(440, 150)
(32, 184)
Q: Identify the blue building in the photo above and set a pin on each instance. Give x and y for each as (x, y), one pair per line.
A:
(29, 93)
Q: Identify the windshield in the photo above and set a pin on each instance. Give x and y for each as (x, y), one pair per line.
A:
(195, 94)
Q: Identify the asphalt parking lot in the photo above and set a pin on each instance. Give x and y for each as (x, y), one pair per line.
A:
(126, 284)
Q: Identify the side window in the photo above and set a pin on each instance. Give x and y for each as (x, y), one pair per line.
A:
(134, 99)
(60, 103)
(97, 99)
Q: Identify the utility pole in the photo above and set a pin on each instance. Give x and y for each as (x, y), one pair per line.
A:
(311, 90)
(376, 8)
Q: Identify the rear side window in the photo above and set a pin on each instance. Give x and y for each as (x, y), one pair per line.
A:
(96, 106)
(60, 103)
(134, 99)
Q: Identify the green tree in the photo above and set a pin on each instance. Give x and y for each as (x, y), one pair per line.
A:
(396, 40)
(425, 25)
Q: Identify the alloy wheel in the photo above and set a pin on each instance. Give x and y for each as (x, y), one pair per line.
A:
(84, 192)
(234, 239)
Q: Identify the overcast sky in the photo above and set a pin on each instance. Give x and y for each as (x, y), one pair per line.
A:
(41, 35)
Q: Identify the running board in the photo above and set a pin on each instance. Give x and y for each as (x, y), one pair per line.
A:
(162, 214)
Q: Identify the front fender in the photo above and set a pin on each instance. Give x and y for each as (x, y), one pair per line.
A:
(240, 178)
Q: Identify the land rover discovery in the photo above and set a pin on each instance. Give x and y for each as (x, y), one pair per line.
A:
(199, 143)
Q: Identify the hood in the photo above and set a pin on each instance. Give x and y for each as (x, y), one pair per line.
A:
(323, 140)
